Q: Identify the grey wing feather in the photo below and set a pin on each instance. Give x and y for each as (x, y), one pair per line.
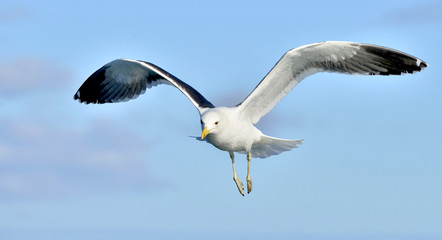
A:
(125, 79)
(339, 57)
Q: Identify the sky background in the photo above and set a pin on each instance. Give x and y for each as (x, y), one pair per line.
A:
(370, 166)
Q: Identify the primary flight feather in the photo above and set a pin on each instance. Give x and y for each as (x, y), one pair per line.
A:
(232, 129)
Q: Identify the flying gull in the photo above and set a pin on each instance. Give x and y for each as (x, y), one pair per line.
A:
(232, 129)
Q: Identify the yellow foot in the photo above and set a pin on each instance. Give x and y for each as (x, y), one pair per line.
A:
(239, 184)
(249, 184)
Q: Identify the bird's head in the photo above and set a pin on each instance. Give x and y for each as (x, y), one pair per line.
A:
(210, 122)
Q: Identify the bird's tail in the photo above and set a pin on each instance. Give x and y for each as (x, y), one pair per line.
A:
(272, 146)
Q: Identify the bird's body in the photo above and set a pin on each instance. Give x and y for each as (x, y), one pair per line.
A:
(231, 134)
(232, 129)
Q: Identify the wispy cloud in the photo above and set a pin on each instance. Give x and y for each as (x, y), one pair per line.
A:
(8, 14)
(41, 156)
(38, 160)
(22, 75)
(417, 14)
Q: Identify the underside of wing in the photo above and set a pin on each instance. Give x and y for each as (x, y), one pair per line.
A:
(338, 57)
(269, 146)
(125, 79)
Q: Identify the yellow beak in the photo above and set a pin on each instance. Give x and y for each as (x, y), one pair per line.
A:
(205, 132)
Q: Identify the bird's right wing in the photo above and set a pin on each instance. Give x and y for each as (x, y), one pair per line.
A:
(339, 57)
(125, 79)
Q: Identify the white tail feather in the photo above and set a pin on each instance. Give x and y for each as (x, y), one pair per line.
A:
(273, 146)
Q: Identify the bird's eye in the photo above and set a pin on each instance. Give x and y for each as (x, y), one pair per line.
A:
(216, 123)
(201, 121)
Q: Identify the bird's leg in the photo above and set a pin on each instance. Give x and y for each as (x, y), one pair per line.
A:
(249, 178)
(235, 175)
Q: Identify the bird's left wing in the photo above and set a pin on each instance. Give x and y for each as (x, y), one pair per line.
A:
(125, 79)
(338, 57)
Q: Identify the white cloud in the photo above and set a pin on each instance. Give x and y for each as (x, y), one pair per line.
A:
(22, 75)
(8, 14)
(38, 160)
(44, 153)
(417, 14)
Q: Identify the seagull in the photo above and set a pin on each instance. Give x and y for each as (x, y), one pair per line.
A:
(232, 129)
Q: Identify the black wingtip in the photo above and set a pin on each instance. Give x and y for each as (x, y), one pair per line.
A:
(396, 62)
(91, 90)
(77, 96)
(421, 64)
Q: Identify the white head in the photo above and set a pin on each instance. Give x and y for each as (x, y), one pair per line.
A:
(211, 121)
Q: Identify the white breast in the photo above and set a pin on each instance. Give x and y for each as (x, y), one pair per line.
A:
(234, 134)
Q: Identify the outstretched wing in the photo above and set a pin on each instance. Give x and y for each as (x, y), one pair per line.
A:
(125, 79)
(339, 57)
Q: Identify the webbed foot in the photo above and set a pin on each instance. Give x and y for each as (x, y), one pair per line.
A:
(249, 184)
(239, 184)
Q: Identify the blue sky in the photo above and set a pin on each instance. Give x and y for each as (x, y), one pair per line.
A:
(370, 166)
